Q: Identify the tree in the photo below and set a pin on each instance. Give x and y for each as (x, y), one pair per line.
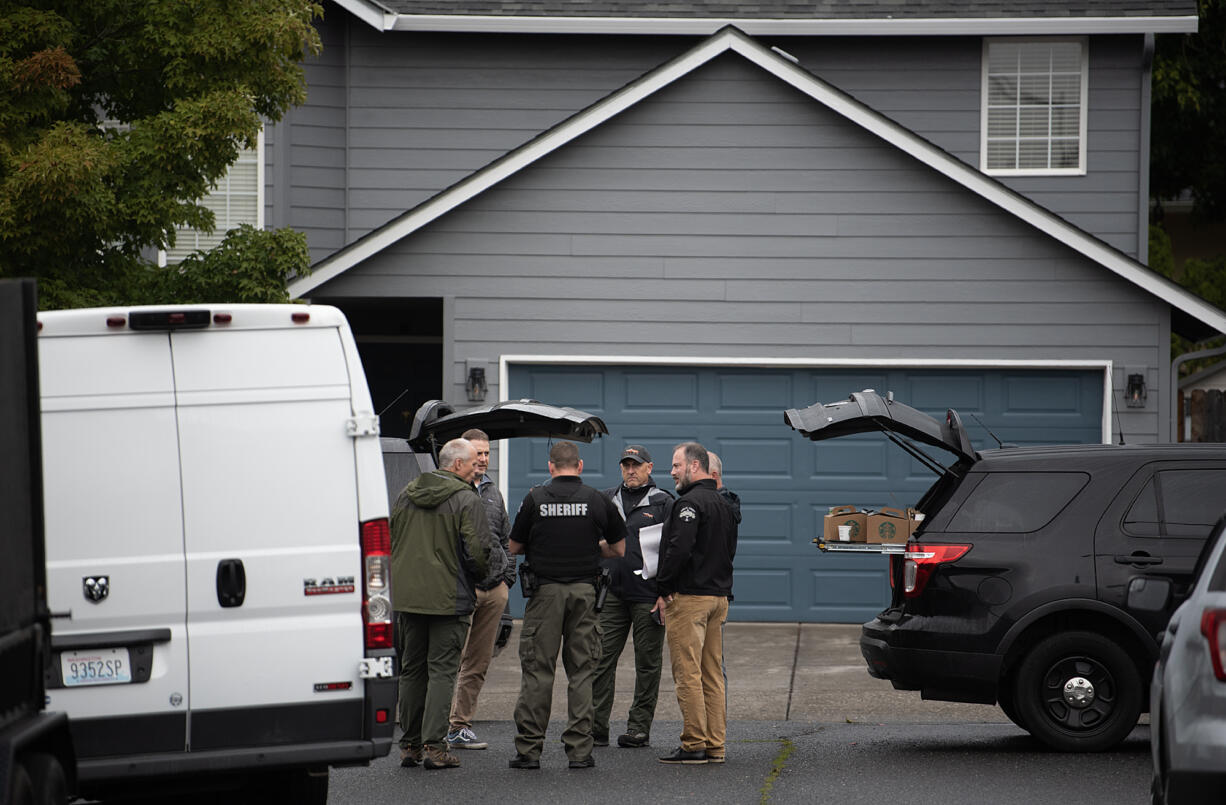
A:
(1189, 115)
(116, 117)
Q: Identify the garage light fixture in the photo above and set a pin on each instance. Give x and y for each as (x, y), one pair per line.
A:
(476, 384)
(1134, 393)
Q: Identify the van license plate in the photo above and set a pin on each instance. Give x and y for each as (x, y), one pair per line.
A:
(104, 666)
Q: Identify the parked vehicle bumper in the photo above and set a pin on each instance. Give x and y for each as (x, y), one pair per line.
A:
(956, 676)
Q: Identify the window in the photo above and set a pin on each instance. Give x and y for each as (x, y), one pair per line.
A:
(1178, 503)
(237, 199)
(1017, 502)
(1034, 107)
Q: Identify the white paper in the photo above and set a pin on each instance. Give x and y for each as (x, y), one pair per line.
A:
(649, 543)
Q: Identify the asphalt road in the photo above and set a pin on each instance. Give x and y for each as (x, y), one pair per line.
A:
(874, 763)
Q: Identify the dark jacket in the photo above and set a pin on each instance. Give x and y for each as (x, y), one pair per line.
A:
(441, 546)
(734, 500)
(500, 526)
(699, 543)
(652, 509)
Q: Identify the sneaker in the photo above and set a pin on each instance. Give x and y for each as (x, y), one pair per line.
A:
(464, 738)
(714, 758)
(439, 759)
(633, 739)
(588, 762)
(524, 762)
(410, 756)
(695, 758)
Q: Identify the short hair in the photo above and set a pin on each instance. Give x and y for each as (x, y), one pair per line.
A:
(453, 451)
(564, 455)
(695, 452)
(475, 434)
(717, 466)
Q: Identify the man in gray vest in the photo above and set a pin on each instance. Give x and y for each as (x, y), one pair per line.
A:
(629, 604)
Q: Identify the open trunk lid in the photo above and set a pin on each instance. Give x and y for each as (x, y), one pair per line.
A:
(436, 422)
(867, 411)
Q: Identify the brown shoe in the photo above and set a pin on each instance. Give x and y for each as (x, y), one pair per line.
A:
(410, 756)
(440, 759)
(714, 758)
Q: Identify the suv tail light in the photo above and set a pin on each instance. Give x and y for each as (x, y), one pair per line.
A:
(1213, 627)
(921, 560)
(376, 587)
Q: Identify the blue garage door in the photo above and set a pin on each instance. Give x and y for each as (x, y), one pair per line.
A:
(786, 482)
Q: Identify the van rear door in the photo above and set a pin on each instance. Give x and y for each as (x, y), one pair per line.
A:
(270, 507)
(114, 525)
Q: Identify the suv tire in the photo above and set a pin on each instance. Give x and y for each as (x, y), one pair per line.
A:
(1078, 692)
(1004, 699)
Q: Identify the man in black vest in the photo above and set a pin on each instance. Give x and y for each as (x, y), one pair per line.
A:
(564, 527)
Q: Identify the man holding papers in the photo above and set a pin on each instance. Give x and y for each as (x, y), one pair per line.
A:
(632, 595)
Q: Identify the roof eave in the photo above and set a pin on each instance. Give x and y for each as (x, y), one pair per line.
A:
(683, 26)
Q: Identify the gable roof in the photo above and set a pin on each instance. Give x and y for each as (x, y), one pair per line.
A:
(782, 66)
(781, 17)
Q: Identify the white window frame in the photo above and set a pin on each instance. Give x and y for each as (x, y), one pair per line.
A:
(221, 189)
(1083, 111)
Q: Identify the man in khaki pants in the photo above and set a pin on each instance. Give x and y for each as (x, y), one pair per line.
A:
(487, 613)
(695, 585)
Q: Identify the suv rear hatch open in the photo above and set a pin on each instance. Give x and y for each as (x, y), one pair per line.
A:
(867, 411)
(437, 422)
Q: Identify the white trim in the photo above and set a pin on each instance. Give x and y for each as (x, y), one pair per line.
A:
(505, 361)
(374, 14)
(731, 39)
(972, 26)
(1083, 109)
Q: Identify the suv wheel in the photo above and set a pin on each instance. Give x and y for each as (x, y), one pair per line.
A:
(1004, 698)
(1078, 692)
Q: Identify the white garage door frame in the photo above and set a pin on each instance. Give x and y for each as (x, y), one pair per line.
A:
(505, 362)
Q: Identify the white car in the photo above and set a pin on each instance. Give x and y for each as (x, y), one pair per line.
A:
(1188, 693)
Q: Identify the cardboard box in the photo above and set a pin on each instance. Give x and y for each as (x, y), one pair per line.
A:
(887, 526)
(844, 515)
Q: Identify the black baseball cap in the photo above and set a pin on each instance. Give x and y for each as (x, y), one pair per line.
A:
(635, 452)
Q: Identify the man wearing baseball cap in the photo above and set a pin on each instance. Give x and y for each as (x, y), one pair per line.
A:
(628, 606)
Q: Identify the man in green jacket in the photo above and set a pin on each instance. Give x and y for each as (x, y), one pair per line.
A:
(442, 548)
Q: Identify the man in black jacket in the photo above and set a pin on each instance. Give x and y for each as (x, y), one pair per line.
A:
(695, 586)
(629, 606)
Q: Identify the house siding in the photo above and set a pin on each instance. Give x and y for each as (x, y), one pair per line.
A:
(393, 119)
(730, 216)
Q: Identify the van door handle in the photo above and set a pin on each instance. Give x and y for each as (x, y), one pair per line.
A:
(231, 582)
(1137, 559)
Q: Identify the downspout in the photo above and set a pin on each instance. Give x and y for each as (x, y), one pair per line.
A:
(1175, 364)
(1147, 74)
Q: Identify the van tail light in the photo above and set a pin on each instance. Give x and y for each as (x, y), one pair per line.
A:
(376, 583)
(921, 559)
(1213, 627)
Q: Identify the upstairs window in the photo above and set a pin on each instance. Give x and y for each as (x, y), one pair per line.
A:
(1034, 107)
(236, 199)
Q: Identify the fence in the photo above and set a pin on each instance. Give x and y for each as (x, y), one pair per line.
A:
(1203, 416)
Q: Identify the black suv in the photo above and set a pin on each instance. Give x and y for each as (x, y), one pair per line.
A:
(1041, 577)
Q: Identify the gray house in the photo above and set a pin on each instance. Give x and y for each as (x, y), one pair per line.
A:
(690, 217)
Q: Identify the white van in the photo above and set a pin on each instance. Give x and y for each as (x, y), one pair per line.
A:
(217, 547)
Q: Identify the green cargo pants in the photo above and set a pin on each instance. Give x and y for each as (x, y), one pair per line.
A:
(558, 616)
(617, 620)
(430, 647)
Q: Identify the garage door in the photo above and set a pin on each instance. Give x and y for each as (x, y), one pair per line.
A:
(786, 482)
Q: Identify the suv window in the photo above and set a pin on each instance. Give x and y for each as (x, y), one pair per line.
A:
(1017, 502)
(1178, 503)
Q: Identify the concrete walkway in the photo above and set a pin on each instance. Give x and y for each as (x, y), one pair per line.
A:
(809, 672)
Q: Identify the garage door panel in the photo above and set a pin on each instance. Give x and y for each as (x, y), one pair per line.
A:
(936, 393)
(657, 391)
(741, 392)
(862, 458)
(1043, 395)
(788, 483)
